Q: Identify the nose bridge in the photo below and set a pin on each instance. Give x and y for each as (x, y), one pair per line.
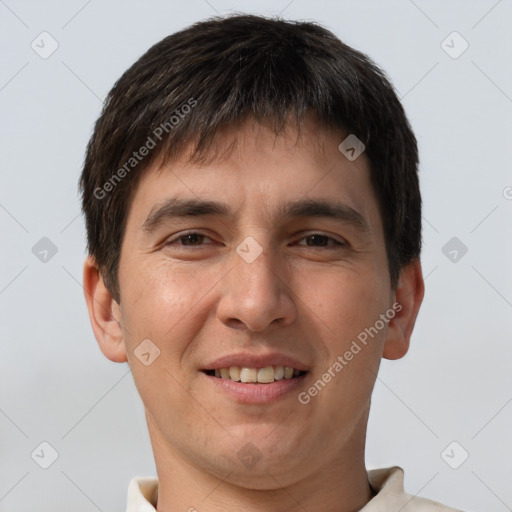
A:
(255, 293)
(256, 266)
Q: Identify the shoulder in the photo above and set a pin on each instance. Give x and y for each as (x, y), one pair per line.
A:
(388, 483)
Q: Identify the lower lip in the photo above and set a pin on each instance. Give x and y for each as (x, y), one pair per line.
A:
(254, 393)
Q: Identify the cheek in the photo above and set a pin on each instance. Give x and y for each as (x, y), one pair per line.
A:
(159, 303)
(166, 303)
(351, 306)
(156, 296)
(148, 309)
(346, 302)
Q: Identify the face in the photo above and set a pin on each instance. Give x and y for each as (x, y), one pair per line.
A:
(267, 277)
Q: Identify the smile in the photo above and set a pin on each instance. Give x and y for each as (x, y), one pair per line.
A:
(265, 375)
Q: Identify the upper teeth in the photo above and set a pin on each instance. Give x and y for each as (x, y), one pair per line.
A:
(261, 375)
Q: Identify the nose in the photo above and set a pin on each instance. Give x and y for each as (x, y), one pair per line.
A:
(256, 294)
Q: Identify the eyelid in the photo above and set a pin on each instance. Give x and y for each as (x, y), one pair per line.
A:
(337, 242)
(177, 236)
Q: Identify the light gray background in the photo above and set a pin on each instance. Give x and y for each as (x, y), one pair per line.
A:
(455, 383)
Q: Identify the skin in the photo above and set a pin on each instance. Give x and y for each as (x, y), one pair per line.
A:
(308, 298)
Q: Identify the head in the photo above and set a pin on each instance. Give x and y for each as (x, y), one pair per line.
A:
(230, 129)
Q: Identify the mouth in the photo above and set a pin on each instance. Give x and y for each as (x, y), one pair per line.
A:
(249, 378)
(266, 375)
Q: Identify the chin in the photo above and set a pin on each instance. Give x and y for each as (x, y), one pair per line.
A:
(259, 458)
(267, 474)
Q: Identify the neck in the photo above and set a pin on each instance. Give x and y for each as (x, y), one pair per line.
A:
(340, 485)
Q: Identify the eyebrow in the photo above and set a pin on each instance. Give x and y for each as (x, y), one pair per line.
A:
(181, 208)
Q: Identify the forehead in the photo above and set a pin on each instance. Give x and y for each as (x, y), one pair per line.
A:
(248, 138)
(251, 167)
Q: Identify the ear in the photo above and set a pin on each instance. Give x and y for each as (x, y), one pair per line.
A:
(408, 298)
(103, 310)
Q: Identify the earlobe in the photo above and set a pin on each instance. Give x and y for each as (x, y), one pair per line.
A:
(408, 298)
(103, 313)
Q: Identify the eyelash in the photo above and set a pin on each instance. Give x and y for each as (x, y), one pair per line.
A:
(188, 233)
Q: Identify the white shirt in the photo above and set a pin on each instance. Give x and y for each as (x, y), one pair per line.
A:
(387, 482)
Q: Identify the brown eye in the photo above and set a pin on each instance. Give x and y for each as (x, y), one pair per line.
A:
(320, 240)
(191, 239)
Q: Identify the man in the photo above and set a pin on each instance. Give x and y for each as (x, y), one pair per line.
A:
(254, 230)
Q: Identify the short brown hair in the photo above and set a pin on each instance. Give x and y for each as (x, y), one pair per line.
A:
(218, 72)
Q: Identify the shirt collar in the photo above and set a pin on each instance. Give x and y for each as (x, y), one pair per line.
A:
(142, 494)
(388, 483)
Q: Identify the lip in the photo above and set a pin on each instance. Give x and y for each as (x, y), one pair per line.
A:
(246, 360)
(254, 393)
